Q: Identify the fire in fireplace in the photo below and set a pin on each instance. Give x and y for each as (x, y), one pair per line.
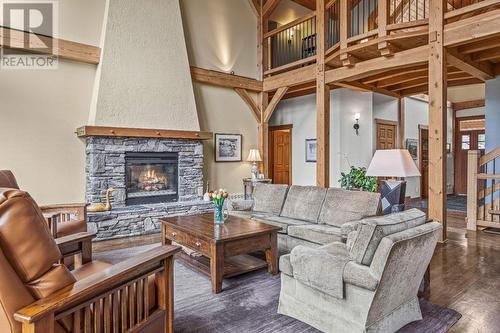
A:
(151, 177)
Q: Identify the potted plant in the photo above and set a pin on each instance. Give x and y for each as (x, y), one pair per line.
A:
(357, 179)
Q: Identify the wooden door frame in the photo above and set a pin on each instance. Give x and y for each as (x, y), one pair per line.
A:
(457, 141)
(285, 127)
(420, 129)
(379, 121)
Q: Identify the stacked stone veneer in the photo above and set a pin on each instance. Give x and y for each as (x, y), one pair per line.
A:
(105, 167)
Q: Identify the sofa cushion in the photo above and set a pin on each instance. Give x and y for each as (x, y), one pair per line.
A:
(371, 231)
(304, 203)
(244, 214)
(343, 206)
(268, 198)
(316, 233)
(279, 221)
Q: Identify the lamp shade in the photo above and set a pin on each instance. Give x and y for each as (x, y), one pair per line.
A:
(392, 163)
(254, 156)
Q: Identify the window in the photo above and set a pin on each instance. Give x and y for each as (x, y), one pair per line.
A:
(465, 142)
(481, 141)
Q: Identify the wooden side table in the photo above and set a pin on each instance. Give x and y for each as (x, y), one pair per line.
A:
(249, 184)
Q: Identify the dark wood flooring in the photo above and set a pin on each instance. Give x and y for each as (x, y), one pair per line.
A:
(465, 274)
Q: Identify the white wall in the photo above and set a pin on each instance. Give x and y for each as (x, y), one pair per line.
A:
(346, 148)
(492, 114)
(41, 109)
(222, 35)
(470, 112)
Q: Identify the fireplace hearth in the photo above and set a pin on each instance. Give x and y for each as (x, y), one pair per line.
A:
(151, 177)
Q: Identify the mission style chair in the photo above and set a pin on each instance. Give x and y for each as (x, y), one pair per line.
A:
(63, 219)
(38, 294)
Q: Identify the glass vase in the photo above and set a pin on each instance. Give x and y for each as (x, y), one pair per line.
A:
(218, 215)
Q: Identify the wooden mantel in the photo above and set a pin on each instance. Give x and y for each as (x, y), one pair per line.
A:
(86, 131)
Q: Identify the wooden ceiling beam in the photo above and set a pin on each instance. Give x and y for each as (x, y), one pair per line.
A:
(481, 45)
(408, 58)
(478, 27)
(225, 80)
(468, 104)
(274, 102)
(367, 88)
(480, 70)
(245, 96)
(393, 73)
(402, 78)
(493, 53)
(269, 7)
(292, 78)
(65, 49)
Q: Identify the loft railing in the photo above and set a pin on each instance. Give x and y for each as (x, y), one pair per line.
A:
(405, 11)
(292, 44)
(333, 19)
(363, 16)
(457, 4)
(483, 189)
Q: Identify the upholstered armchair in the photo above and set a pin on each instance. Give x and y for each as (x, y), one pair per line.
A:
(63, 219)
(369, 284)
(39, 294)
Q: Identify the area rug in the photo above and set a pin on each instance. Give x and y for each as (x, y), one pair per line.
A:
(249, 302)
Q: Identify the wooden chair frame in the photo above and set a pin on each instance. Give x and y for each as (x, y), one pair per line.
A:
(54, 214)
(113, 300)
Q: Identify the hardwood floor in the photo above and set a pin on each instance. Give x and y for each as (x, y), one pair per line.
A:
(465, 274)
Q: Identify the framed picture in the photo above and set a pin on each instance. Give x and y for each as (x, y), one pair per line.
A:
(227, 147)
(412, 147)
(311, 150)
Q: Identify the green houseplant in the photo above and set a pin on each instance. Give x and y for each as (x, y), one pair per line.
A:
(357, 179)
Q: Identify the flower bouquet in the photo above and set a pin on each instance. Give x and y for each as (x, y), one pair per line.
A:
(218, 197)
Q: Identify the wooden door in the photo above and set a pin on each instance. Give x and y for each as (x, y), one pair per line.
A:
(280, 154)
(424, 161)
(469, 135)
(386, 134)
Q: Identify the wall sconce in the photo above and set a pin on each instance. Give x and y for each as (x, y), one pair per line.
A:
(356, 126)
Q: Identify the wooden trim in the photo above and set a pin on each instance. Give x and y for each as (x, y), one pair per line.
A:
(480, 70)
(64, 49)
(291, 78)
(269, 7)
(473, 28)
(401, 122)
(488, 176)
(225, 80)
(86, 131)
(368, 34)
(289, 25)
(245, 96)
(407, 25)
(330, 3)
(386, 122)
(286, 67)
(468, 105)
(280, 127)
(471, 8)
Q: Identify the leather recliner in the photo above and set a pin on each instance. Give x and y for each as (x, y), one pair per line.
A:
(30, 268)
(65, 226)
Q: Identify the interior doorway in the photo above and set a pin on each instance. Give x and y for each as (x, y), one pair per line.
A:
(280, 154)
(423, 160)
(387, 132)
(469, 135)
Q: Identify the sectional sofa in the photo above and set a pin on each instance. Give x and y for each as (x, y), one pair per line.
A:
(308, 215)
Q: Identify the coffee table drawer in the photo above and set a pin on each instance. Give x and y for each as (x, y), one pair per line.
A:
(192, 242)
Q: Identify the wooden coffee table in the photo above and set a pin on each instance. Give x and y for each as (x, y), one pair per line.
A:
(224, 248)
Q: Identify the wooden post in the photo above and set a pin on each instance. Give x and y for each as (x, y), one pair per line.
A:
(322, 101)
(401, 122)
(344, 24)
(42, 325)
(165, 292)
(437, 116)
(472, 189)
(263, 97)
(382, 17)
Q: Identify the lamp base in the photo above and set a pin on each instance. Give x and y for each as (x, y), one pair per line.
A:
(392, 196)
(255, 170)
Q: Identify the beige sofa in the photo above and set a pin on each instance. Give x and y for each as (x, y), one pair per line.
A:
(307, 215)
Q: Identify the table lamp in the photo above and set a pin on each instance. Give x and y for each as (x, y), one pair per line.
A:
(254, 157)
(392, 163)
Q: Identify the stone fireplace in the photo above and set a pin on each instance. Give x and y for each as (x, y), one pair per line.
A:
(152, 177)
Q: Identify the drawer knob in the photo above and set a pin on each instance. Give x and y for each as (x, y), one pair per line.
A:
(198, 244)
(174, 234)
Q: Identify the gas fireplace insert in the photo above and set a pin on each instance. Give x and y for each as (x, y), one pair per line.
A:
(151, 177)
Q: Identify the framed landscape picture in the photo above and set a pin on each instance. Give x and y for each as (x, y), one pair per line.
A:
(311, 150)
(227, 147)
